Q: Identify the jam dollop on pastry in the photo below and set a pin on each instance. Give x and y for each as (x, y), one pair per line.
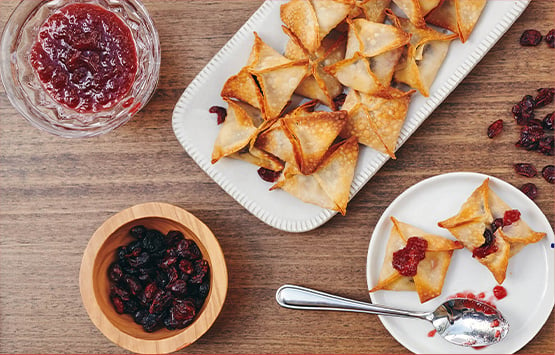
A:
(491, 230)
(415, 261)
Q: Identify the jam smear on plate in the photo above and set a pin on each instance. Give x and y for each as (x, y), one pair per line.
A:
(85, 57)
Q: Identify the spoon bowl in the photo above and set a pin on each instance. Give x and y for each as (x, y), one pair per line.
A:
(460, 321)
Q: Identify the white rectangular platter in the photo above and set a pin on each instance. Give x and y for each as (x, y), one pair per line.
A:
(196, 129)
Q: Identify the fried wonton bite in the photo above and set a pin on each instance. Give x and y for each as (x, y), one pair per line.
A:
(319, 85)
(329, 186)
(373, 10)
(376, 120)
(277, 76)
(304, 136)
(422, 59)
(427, 277)
(490, 229)
(238, 129)
(459, 16)
(371, 38)
(412, 9)
(311, 20)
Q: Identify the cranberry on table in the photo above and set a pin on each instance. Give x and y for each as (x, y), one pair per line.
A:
(525, 169)
(550, 38)
(530, 189)
(548, 173)
(544, 97)
(495, 128)
(547, 121)
(85, 57)
(531, 38)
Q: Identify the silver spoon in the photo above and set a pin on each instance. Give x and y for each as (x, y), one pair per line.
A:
(461, 321)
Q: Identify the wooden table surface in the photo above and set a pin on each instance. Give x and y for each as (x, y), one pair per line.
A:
(55, 192)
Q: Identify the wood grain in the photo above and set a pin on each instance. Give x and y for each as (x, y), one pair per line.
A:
(54, 193)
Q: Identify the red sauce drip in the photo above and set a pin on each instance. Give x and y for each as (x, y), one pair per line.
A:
(499, 292)
(406, 260)
(481, 295)
(510, 217)
(431, 333)
(495, 323)
(85, 57)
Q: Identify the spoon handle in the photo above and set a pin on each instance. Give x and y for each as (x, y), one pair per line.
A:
(297, 297)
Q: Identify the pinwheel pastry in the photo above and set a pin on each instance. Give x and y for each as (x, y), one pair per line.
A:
(415, 261)
(458, 16)
(491, 230)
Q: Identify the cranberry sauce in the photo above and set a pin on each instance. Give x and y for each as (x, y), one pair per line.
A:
(85, 57)
(406, 260)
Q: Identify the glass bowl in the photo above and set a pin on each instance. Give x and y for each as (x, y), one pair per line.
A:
(27, 94)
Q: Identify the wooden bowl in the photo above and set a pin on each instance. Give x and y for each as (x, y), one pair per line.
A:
(101, 252)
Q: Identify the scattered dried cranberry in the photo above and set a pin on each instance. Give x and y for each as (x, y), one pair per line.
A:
(544, 97)
(530, 38)
(546, 146)
(510, 217)
(406, 260)
(530, 190)
(530, 137)
(268, 175)
(547, 122)
(524, 110)
(550, 38)
(495, 128)
(525, 169)
(220, 111)
(548, 173)
(160, 280)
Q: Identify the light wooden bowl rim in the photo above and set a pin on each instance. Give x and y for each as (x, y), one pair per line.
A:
(218, 282)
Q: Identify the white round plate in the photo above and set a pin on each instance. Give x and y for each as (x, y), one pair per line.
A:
(530, 277)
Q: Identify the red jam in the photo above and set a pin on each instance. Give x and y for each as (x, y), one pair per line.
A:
(432, 333)
(499, 292)
(406, 260)
(489, 246)
(510, 217)
(85, 57)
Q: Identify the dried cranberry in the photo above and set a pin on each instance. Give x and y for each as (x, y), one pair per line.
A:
(168, 261)
(183, 311)
(530, 137)
(120, 292)
(544, 97)
(524, 110)
(547, 146)
(220, 111)
(488, 247)
(160, 302)
(548, 173)
(118, 303)
(495, 128)
(115, 272)
(188, 249)
(530, 190)
(151, 290)
(510, 217)
(138, 232)
(133, 284)
(268, 175)
(186, 266)
(530, 38)
(178, 287)
(201, 269)
(547, 122)
(525, 169)
(550, 38)
(406, 260)
(173, 237)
